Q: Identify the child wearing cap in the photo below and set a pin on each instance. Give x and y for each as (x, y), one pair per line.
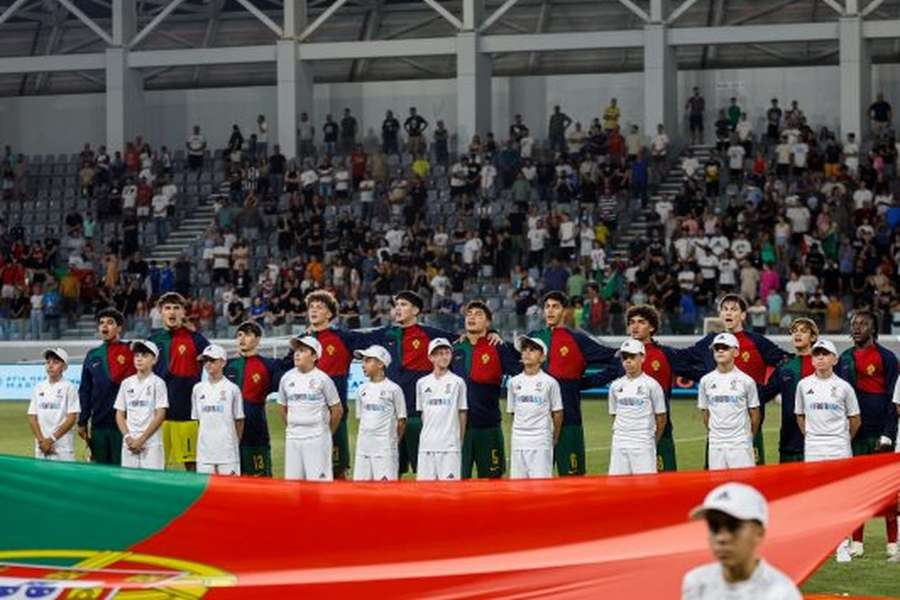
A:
(141, 409)
(637, 404)
(53, 410)
(381, 411)
(441, 397)
(535, 403)
(312, 411)
(730, 404)
(218, 406)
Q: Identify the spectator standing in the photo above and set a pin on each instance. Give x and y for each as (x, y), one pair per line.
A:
(390, 131)
(415, 127)
(349, 128)
(559, 122)
(196, 146)
(306, 131)
(330, 132)
(696, 107)
(262, 136)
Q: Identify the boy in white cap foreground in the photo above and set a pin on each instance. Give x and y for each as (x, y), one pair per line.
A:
(218, 405)
(441, 397)
(730, 404)
(737, 516)
(637, 404)
(381, 411)
(312, 411)
(534, 400)
(53, 410)
(141, 409)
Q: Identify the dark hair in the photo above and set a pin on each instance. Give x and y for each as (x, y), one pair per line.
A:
(645, 311)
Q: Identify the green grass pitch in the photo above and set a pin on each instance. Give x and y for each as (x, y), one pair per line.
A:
(868, 575)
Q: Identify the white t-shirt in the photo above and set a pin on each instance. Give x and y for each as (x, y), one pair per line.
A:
(766, 583)
(140, 398)
(567, 234)
(728, 397)
(129, 196)
(394, 238)
(160, 205)
(532, 399)
(860, 197)
(736, 156)
(308, 178)
(741, 248)
(536, 239)
(635, 403)
(378, 407)
(800, 151)
(367, 190)
(342, 180)
(440, 400)
(217, 406)
(827, 404)
(727, 271)
(783, 153)
(743, 129)
(308, 397)
(792, 287)
(52, 403)
(196, 142)
(221, 257)
(471, 249)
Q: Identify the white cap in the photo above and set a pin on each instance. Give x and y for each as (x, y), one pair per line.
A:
(738, 500)
(534, 340)
(145, 344)
(213, 352)
(377, 352)
(58, 353)
(308, 341)
(438, 343)
(725, 339)
(825, 345)
(631, 346)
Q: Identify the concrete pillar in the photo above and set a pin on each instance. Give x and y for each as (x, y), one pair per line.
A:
(473, 89)
(124, 100)
(660, 81)
(294, 95)
(856, 77)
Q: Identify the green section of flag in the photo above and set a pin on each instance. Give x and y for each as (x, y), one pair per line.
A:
(49, 505)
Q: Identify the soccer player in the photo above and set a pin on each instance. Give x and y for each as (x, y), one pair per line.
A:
(141, 409)
(381, 411)
(728, 398)
(638, 408)
(755, 357)
(179, 346)
(441, 399)
(256, 377)
(871, 369)
(736, 516)
(105, 368)
(535, 402)
(312, 411)
(569, 353)
(218, 406)
(53, 410)
(482, 366)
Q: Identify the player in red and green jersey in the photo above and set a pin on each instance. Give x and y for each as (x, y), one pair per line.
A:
(755, 356)
(872, 371)
(257, 377)
(104, 369)
(482, 365)
(178, 366)
(570, 353)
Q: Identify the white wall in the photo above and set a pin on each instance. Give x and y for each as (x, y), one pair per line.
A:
(61, 124)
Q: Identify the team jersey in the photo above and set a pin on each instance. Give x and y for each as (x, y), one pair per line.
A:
(308, 397)
(897, 402)
(140, 398)
(378, 407)
(872, 372)
(52, 403)
(440, 400)
(532, 399)
(826, 404)
(178, 366)
(635, 402)
(216, 406)
(727, 397)
(105, 368)
(767, 583)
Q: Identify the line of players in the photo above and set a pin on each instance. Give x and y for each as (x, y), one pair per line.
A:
(732, 369)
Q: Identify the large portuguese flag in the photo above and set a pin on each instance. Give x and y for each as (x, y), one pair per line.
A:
(85, 531)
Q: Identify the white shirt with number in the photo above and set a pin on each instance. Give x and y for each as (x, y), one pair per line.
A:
(532, 399)
(52, 403)
(440, 399)
(140, 398)
(827, 404)
(728, 397)
(217, 406)
(635, 402)
(378, 407)
(308, 397)
(766, 583)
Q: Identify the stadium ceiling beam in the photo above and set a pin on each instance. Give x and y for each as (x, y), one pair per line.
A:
(410, 28)
(371, 27)
(496, 15)
(320, 20)
(749, 34)
(540, 27)
(881, 29)
(637, 10)
(678, 12)
(88, 22)
(10, 10)
(378, 49)
(449, 16)
(54, 62)
(159, 18)
(550, 42)
(209, 36)
(139, 59)
(761, 13)
(871, 7)
(176, 38)
(263, 17)
(52, 41)
(835, 6)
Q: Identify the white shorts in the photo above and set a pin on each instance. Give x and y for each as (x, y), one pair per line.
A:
(60, 456)
(632, 461)
(818, 452)
(371, 467)
(530, 463)
(308, 459)
(229, 468)
(439, 466)
(731, 458)
(148, 458)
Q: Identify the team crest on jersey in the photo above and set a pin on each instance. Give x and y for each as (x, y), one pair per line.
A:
(640, 389)
(485, 358)
(182, 349)
(255, 378)
(330, 349)
(120, 359)
(517, 387)
(655, 365)
(564, 351)
(539, 385)
(734, 384)
(620, 390)
(870, 370)
(416, 343)
(834, 391)
(745, 356)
